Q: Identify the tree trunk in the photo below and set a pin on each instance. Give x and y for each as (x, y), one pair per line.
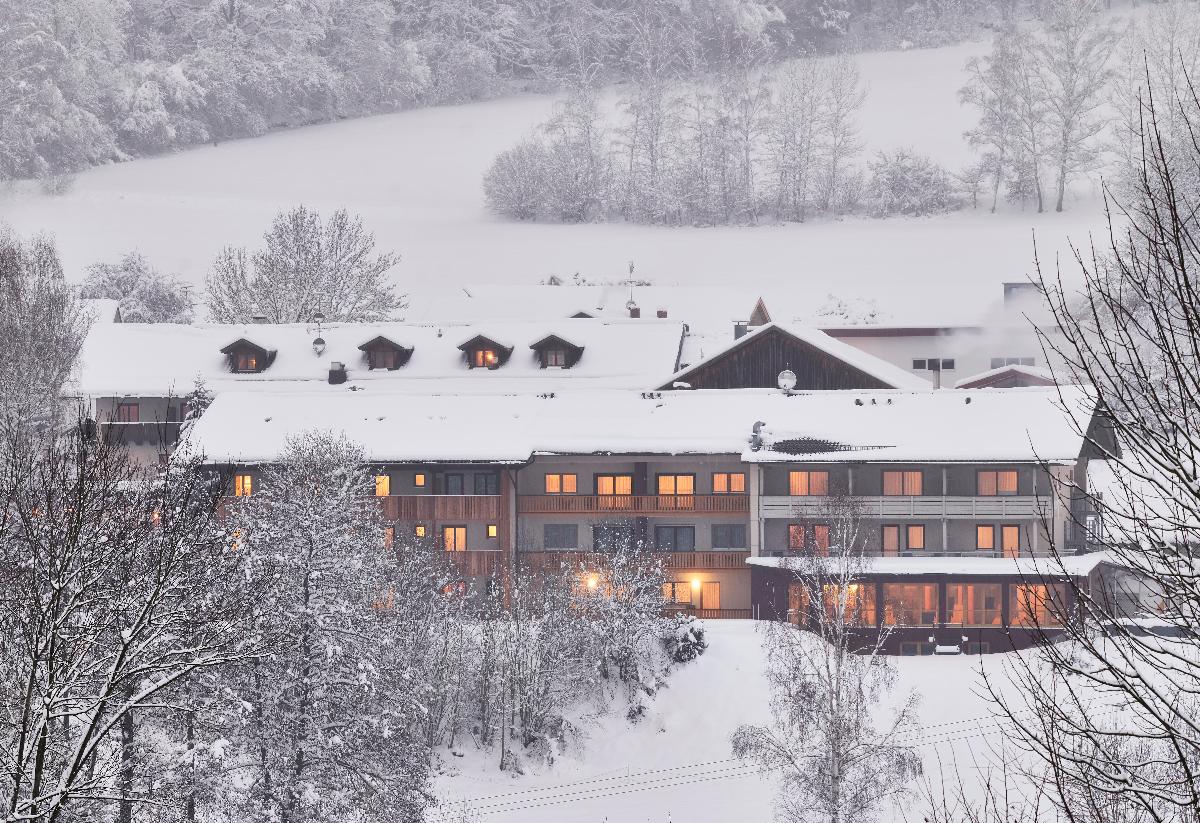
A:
(125, 811)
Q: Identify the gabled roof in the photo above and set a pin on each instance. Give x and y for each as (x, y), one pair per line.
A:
(242, 344)
(1011, 376)
(889, 375)
(483, 341)
(554, 340)
(760, 316)
(381, 342)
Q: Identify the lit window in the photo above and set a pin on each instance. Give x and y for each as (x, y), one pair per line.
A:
(796, 536)
(556, 358)
(419, 530)
(243, 485)
(560, 484)
(973, 604)
(821, 539)
(1036, 605)
(419, 479)
(383, 485)
(128, 413)
(676, 484)
(985, 538)
(608, 484)
(993, 483)
(891, 541)
(389, 536)
(454, 538)
(245, 361)
(485, 358)
(808, 484)
(902, 483)
(856, 601)
(680, 593)
(493, 530)
(916, 537)
(729, 483)
(910, 604)
(1010, 541)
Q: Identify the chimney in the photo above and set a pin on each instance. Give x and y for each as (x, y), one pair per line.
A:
(635, 312)
(740, 327)
(337, 373)
(662, 314)
(935, 366)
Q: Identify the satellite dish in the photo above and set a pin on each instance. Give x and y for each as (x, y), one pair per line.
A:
(787, 380)
(319, 346)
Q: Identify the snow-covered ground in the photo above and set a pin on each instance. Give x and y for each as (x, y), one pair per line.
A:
(675, 764)
(416, 179)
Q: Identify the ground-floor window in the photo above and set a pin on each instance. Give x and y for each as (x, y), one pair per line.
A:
(914, 649)
(973, 604)
(677, 592)
(701, 594)
(856, 601)
(910, 604)
(454, 538)
(978, 648)
(1036, 605)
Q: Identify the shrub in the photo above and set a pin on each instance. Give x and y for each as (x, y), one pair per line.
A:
(907, 183)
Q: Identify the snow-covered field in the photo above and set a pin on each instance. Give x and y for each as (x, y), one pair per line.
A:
(675, 764)
(415, 177)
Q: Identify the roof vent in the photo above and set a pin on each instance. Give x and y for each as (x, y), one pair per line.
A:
(337, 373)
(258, 318)
(740, 327)
(662, 314)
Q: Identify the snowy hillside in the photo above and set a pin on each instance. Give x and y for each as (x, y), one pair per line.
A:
(676, 765)
(415, 178)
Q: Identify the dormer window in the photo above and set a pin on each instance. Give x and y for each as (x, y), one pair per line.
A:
(246, 357)
(485, 353)
(553, 352)
(383, 353)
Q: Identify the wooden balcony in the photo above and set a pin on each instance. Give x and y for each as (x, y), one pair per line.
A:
(913, 506)
(477, 563)
(633, 504)
(441, 508)
(553, 562)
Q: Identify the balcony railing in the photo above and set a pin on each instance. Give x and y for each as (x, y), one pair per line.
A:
(142, 434)
(633, 504)
(477, 563)
(905, 506)
(554, 561)
(441, 508)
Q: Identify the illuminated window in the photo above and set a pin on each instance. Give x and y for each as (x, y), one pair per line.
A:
(128, 413)
(419, 479)
(916, 537)
(710, 594)
(973, 604)
(560, 484)
(676, 484)
(1010, 541)
(389, 536)
(993, 483)
(891, 541)
(799, 536)
(383, 485)
(796, 536)
(729, 483)
(614, 484)
(985, 538)
(1036, 605)
(677, 592)
(245, 361)
(243, 485)
(454, 538)
(493, 530)
(856, 601)
(485, 358)
(419, 530)
(808, 484)
(907, 483)
(910, 604)
(821, 539)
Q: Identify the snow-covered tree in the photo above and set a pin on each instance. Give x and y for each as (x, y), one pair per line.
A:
(308, 266)
(793, 126)
(904, 182)
(335, 725)
(145, 294)
(991, 88)
(838, 752)
(838, 139)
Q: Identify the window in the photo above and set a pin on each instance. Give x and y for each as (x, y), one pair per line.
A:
(419, 479)
(910, 604)
(493, 530)
(487, 484)
(383, 485)
(728, 483)
(612, 537)
(948, 364)
(419, 530)
(891, 541)
(908, 483)
(484, 358)
(243, 485)
(821, 539)
(560, 536)
(560, 484)
(985, 538)
(454, 538)
(918, 365)
(978, 648)
(796, 536)
(911, 648)
(856, 600)
(614, 484)
(916, 538)
(808, 484)
(675, 538)
(993, 483)
(556, 358)
(710, 594)
(452, 484)
(677, 592)
(676, 484)
(1010, 541)
(245, 361)
(389, 536)
(973, 604)
(127, 413)
(1031, 604)
(729, 536)
(383, 359)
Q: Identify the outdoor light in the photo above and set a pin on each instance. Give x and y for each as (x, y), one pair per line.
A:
(695, 582)
(592, 582)
(319, 346)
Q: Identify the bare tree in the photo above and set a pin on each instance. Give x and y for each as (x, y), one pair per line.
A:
(837, 754)
(308, 266)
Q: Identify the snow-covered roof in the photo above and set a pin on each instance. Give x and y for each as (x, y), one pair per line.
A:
(1020, 425)
(160, 359)
(101, 310)
(1037, 375)
(869, 364)
(1072, 565)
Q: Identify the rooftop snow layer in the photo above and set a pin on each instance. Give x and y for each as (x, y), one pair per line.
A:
(998, 425)
(1038, 372)
(1073, 565)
